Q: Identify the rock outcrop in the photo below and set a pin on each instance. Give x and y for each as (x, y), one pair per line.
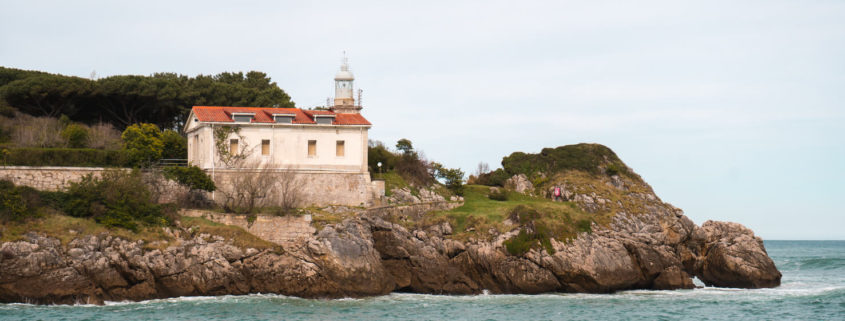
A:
(369, 256)
(647, 244)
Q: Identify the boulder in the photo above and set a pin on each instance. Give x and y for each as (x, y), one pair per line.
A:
(733, 257)
(519, 183)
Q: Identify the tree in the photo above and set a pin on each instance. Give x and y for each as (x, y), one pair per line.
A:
(452, 177)
(246, 191)
(143, 143)
(46, 95)
(164, 99)
(175, 145)
(75, 135)
(405, 146)
(191, 177)
(378, 153)
(126, 99)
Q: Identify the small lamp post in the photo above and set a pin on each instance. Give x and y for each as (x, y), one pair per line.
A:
(379, 166)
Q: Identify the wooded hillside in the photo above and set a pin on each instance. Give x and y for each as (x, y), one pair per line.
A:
(163, 99)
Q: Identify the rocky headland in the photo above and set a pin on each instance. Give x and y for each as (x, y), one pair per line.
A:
(637, 241)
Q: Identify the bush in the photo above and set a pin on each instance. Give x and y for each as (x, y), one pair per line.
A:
(499, 194)
(143, 143)
(174, 145)
(414, 170)
(75, 135)
(613, 169)
(494, 178)
(191, 177)
(67, 157)
(520, 244)
(584, 226)
(118, 198)
(17, 202)
(104, 136)
(452, 177)
(6, 110)
(377, 153)
(584, 157)
(536, 231)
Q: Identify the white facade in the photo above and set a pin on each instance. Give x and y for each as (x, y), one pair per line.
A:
(338, 148)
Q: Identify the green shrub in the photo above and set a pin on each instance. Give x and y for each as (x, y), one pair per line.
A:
(174, 145)
(75, 135)
(118, 198)
(83, 157)
(452, 177)
(584, 226)
(17, 202)
(520, 244)
(191, 177)
(494, 178)
(6, 110)
(613, 169)
(414, 170)
(498, 195)
(143, 143)
(584, 157)
(378, 153)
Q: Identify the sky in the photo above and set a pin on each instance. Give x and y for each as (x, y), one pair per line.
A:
(731, 110)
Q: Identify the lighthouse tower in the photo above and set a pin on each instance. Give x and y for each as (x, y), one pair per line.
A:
(344, 101)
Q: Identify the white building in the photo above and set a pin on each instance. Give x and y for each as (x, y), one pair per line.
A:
(326, 148)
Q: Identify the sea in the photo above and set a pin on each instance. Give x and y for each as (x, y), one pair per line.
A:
(813, 288)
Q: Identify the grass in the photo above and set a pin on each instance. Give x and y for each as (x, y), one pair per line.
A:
(394, 180)
(66, 228)
(620, 201)
(239, 237)
(560, 220)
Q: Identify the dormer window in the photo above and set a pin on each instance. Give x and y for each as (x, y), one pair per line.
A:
(242, 117)
(324, 119)
(283, 118)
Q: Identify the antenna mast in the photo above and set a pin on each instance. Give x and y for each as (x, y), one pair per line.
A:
(360, 93)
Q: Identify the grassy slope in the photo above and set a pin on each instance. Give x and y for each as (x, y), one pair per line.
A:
(479, 214)
(66, 228)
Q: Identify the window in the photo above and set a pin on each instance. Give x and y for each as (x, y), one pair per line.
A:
(339, 150)
(265, 147)
(196, 147)
(242, 118)
(324, 120)
(283, 119)
(312, 148)
(233, 146)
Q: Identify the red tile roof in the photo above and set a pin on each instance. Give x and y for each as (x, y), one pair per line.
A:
(265, 115)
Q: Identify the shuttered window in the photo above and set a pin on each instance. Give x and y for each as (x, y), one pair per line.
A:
(265, 147)
(233, 146)
(339, 151)
(312, 148)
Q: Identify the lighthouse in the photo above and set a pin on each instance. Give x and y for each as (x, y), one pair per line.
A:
(344, 101)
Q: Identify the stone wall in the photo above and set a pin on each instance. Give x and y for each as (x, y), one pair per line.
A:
(283, 230)
(414, 211)
(315, 188)
(46, 178)
(292, 231)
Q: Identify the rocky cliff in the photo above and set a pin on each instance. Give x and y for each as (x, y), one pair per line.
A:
(636, 242)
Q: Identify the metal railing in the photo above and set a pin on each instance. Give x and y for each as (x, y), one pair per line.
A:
(171, 162)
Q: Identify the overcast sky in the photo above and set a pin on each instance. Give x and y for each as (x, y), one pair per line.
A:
(731, 110)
